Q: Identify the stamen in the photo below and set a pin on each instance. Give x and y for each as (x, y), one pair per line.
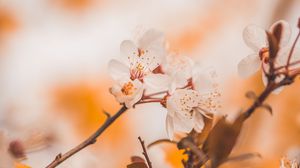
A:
(128, 89)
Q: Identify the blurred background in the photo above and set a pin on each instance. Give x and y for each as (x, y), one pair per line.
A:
(53, 77)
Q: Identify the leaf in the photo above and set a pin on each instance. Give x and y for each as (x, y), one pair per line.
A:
(242, 157)
(137, 159)
(273, 47)
(251, 95)
(204, 133)
(137, 165)
(222, 139)
(268, 108)
(277, 31)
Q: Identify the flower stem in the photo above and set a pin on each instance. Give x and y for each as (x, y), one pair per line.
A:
(89, 141)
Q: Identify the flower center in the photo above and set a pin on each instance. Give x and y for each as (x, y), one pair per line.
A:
(137, 72)
(264, 55)
(128, 89)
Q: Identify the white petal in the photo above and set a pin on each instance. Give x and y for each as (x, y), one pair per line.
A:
(203, 82)
(178, 66)
(286, 32)
(183, 124)
(283, 54)
(118, 70)
(172, 106)
(255, 37)
(129, 52)
(249, 65)
(157, 81)
(170, 127)
(199, 122)
(137, 95)
(152, 43)
(190, 98)
(153, 56)
(150, 37)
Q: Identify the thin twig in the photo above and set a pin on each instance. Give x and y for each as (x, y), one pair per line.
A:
(145, 152)
(89, 141)
(160, 141)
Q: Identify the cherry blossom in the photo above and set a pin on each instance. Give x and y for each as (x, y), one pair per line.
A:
(175, 72)
(139, 59)
(128, 92)
(256, 39)
(186, 111)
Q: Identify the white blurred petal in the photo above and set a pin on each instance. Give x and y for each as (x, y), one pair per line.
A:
(203, 83)
(153, 56)
(199, 122)
(170, 127)
(118, 70)
(249, 65)
(255, 37)
(157, 81)
(129, 52)
(151, 36)
(183, 124)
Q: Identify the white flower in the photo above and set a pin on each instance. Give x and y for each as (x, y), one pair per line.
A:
(204, 81)
(139, 59)
(256, 38)
(177, 70)
(128, 92)
(186, 109)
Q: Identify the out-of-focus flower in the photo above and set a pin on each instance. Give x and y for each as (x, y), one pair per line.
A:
(292, 160)
(286, 163)
(256, 39)
(176, 71)
(11, 151)
(128, 91)
(204, 81)
(186, 109)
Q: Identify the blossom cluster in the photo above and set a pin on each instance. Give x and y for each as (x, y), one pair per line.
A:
(256, 38)
(147, 73)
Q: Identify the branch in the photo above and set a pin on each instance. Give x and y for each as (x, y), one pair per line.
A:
(145, 152)
(89, 141)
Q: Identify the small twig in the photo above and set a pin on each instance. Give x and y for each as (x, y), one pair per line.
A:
(160, 141)
(89, 141)
(145, 152)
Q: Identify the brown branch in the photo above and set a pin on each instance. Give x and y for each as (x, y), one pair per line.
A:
(89, 141)
(145, 152)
